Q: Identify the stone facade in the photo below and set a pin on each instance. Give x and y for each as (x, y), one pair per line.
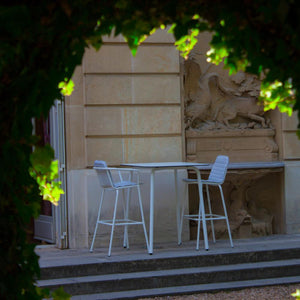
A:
(124, 109)
(222, 113)
(156, 107)
(291, 156)
(223, 116)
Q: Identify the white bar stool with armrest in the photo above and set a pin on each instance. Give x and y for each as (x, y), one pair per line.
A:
(108, 184)
(216, 178)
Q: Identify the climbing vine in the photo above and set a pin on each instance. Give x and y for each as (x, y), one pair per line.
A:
(43, 41)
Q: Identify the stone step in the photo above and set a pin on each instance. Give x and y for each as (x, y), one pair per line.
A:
(171, 278)
(189, 289)
(180, 261)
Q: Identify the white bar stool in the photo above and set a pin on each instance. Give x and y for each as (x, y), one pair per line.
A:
(216, 178)
(108, 184)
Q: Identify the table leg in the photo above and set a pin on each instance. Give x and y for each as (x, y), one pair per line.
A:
(177, 205)
(151, 225)
(126, 241)
(200, 188)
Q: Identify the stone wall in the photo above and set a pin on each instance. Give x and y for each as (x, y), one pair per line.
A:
(126, 104)
(253, 199)
(155, 107)
(291, 155)
(124, 109)
(223, 116)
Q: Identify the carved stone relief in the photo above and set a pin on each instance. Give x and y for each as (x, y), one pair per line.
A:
(223, 116)
(252, 211)
(222, 113)
(213, 104)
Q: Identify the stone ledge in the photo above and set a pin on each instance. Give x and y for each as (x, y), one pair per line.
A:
(249, 165)
(229, 133)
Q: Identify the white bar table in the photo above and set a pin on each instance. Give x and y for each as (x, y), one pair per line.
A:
(158, 166)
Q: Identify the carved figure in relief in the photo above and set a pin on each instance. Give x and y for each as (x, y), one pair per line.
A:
(209, 104)
(197, 94)
(243, 107)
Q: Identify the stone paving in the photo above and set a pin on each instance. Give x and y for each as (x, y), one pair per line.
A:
(279, 292)
(51, 256)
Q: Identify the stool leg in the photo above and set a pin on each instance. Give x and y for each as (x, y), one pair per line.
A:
(142, 215)
(126, 209)
(202, 208)
(185, 198)
(98, 218)
(210, 214)
(225, 212)
(178, 202)
(199, 224)
(113, 223)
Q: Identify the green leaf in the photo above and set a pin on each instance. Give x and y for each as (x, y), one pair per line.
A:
(45, 171)
(66, 87)
(296, 294)
(216, 55)
(41, 158)
(187, 42)
(278, 94)
(60, 294)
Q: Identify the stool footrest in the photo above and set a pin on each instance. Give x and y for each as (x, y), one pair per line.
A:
(120, 222)
(207, 217)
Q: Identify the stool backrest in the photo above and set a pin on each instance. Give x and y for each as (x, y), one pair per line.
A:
(104, 176)
(219, 169)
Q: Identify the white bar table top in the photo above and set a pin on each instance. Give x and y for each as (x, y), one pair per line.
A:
(165, 165)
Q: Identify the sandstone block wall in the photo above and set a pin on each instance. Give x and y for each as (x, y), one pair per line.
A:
(291, 155)
(124, 109)
(133, 109)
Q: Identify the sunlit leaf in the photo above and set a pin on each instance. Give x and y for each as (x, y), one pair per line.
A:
(296, 294)
(216, 55)
(278, 94)
(66, 87)
(45, 171)
(186, 43)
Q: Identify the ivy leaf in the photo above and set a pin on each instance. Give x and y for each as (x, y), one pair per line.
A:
(296, 294)
(278, 94)
(216, 54)
(60, 294)
(45, 171)
(66, 87)
(41, 158)
(187, 42)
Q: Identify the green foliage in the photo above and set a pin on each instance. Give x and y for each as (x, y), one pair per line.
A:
(217, 55)
(186, 43)
(261, 41)
(58, 294)
(273, 94)
(43, 41)
(66, 87)
(296, 294)
(186, 32)
(278, 95)
(45, 170)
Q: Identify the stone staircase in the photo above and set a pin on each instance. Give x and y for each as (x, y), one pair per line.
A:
(178, 273)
